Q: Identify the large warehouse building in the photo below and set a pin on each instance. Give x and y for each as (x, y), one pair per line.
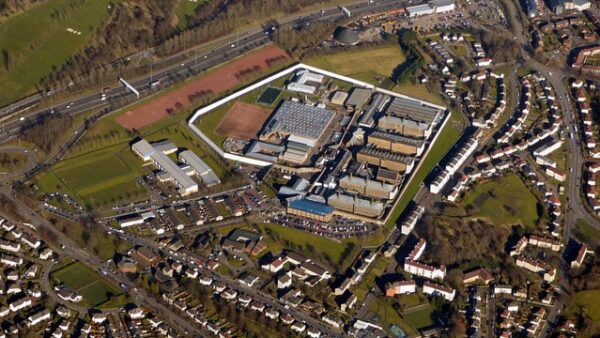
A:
(298, 123)
(147, 152)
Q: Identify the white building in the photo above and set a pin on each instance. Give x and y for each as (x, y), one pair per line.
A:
(434, 289)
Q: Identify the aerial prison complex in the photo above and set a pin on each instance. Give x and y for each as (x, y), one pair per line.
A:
(347, 150)
(157, 153)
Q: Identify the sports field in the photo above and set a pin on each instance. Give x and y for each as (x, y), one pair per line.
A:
(243, 121)
(208, 86)
(34, 42)
(97, 179)
(504, 201)
(84, 281)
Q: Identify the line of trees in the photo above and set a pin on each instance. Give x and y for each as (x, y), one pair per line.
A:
(48, 132)
(10, 7)
(135, 26)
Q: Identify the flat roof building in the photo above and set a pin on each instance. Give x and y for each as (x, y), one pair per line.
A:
(200, 167)
(310, 209)
(298, 122)
(147, 152)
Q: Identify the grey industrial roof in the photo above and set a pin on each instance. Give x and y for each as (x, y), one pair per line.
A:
(345, 36)
(166, 164)
(396, 138)
(143, 147)
(358, 97)
(299, 119)
(413, 109)
(202, 169)
(388, 155)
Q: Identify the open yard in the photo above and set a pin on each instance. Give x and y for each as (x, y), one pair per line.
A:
(94, 289)
(243, 121)
(504, 201)
(34, 42)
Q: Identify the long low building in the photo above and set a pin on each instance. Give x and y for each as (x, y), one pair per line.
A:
(200, 167)
(356, 205)
(147, 152)
(405, 126)
(368, 187)
(396, 143)
(310, 209)
(386, 159)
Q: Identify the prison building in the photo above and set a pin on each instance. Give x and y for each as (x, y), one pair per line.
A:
(298, 122)
(378, 102)
(295, 152)
(389, 176)
(310, 209)
(356, 205)
(414, 110)
(147, 152)
(358, 98)
(405, 126)
(396, 143)
(386, 159)
(200, 168)
(370, 188)
(264, 151)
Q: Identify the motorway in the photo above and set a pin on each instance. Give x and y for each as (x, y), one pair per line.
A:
(181, 70)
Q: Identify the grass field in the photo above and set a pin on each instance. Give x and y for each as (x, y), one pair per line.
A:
(37, 40)
(388, 316)
(357, 64)
(322, 247)
(504, 201)
(590, 299)
(421, 318)
(95, 291)
(448, 137)
(586, 232)
(185, 9)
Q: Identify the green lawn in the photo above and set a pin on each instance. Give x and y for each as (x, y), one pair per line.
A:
(280, 237)
(448, 137)
(504, 201)
(388, 316)
(95, 291)
(36, 41)
(362, 64)
(185, 9)
(590, 299)
(586, 232)
(421, 318)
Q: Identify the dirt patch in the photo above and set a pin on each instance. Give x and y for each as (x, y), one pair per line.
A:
(243, 121)
(209, 86)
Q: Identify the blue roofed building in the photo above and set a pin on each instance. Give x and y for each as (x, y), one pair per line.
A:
(310, 209)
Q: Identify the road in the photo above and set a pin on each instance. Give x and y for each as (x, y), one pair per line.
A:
(191, 259)
(181, 70)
